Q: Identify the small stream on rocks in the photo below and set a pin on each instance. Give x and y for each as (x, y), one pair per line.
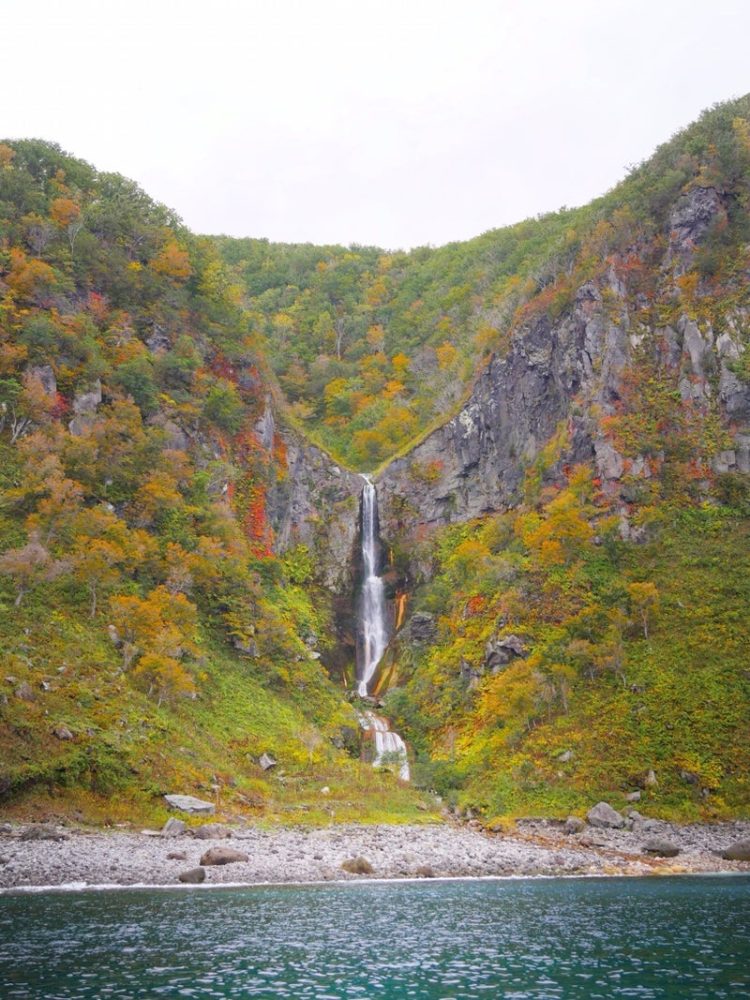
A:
(389, 747)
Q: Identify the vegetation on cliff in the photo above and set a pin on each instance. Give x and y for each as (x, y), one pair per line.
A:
(570, 665)
(589, 640)
(372, 347)
(151, 639)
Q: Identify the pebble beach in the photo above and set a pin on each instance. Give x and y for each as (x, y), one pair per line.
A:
(37, 856)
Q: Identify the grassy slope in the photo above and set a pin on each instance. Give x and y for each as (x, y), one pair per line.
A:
(679, 703)
(127, 751)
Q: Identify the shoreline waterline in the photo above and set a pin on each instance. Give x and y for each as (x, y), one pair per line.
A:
(80, 887)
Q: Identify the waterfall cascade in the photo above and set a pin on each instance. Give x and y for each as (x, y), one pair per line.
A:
(374, 634)
(389, 747)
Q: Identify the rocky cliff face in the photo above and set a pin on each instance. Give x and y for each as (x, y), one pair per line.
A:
(314, 504)
(559, 377)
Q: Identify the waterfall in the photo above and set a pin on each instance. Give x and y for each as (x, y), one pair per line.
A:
(374, 634)
(389, 747)
(386, 743)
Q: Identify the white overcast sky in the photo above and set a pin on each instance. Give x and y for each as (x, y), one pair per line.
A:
(388, 123)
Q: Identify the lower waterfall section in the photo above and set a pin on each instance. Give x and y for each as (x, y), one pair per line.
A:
(389, 747)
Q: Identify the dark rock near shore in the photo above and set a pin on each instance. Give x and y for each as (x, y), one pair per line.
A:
(43, 832)
(573, 824)
(737, 852)
(661, 848)
(193, 876)
(223, 856)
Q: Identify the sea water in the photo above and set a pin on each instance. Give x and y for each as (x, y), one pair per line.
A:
(679, 937)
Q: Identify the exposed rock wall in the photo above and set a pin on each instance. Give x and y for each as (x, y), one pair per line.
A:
(314, 504)
(566, 374)
(476, 462)
(559, 376)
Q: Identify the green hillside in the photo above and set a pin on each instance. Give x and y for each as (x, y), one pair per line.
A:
(588, 642)
(151, 640)
(373, 347)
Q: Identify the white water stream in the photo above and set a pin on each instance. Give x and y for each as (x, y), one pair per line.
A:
(389, 747)
(374, 635)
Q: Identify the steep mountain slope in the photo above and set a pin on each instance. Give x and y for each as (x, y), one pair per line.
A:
(603, 618)
(562, 414)
(151, 638)
(374, 348)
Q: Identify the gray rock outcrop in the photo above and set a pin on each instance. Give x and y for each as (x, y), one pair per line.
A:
(739, 851)
(189, 804)
(421, 627)
(602, 815)
(315, 504)
(557, 375)
(84, 409)
(499, 652)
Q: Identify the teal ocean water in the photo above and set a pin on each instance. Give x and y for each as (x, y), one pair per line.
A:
(568, 938)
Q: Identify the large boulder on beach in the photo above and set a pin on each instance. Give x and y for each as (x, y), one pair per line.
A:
(357, 866)
(737, 852)
(223, 856)
(573, 824)
(193, 876)
(605, 817)
(189, 804)
(661, 848)
(173, 827)
(211, 831)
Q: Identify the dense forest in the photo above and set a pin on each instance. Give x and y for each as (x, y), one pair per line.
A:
(588, 637)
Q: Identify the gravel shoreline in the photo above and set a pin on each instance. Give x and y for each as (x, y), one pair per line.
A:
(296, 855)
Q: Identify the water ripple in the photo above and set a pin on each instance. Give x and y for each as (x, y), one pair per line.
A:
(595, 939)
